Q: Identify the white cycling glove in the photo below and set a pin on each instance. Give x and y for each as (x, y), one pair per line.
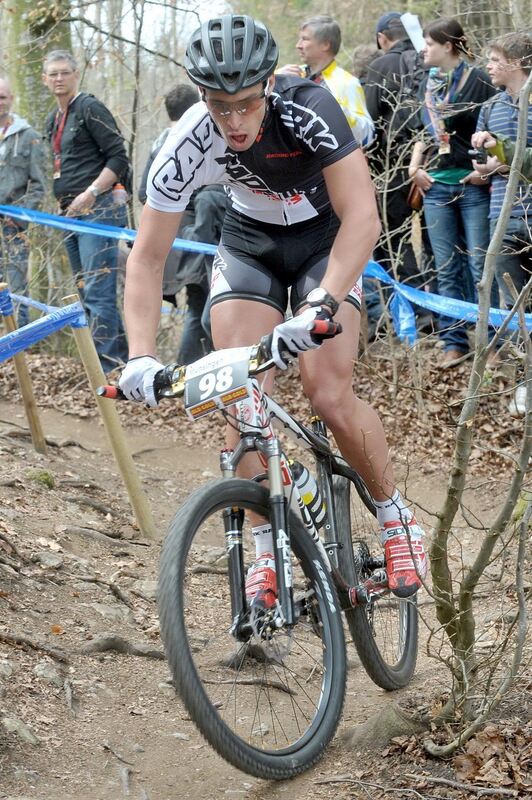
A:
(294, 336)
(136, 380)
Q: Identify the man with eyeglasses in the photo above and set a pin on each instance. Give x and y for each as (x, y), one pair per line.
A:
(301, 226)
(22, 183)
(89, 158)
(318, 45)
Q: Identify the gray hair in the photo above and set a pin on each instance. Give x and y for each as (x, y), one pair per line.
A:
(60, 55)
(325, 29)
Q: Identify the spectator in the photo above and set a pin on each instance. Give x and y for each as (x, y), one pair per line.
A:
(509, 65)
(201, 222)
(387, 157)
(455, 195)
(21, 183)
(89, 158)
(363, 55)
(510, 62)
(318, 44)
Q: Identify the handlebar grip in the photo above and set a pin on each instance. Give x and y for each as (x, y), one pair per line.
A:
(110, 392)
(326, 328)
(162, 380)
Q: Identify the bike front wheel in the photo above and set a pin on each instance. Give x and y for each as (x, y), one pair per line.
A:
(384, 629)
(268, 704)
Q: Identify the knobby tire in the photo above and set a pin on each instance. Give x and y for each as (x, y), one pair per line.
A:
(385, 633)
(197, 679)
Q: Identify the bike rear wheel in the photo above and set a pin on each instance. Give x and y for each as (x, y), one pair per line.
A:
(384, 629)
(268, 706)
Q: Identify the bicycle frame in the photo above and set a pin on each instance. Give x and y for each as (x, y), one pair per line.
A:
(256, 416)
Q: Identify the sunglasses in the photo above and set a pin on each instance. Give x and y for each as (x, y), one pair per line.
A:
(241, 107)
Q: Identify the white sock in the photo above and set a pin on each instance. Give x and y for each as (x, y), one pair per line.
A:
(392, 509)
(263, 539)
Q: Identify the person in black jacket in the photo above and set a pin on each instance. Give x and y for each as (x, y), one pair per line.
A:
(89, 159)
(388, 157)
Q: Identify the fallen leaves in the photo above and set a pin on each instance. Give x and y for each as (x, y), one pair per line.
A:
(421, 420)
(498, 757)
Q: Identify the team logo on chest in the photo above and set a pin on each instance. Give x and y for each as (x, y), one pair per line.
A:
(179, 170)
(309, 127)
(240, 174)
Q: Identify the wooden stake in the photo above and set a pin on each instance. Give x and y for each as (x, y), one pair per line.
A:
(26, 388)
(113, 427)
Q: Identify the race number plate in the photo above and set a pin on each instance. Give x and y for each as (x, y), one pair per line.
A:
(217, 381)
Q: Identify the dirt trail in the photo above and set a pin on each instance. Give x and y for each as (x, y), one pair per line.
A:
(125, 734)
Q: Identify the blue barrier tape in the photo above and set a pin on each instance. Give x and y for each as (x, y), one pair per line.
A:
(95, 228)
(6, 306)
(447, 306)
(28, 301)
(403, 316)
(13, 343)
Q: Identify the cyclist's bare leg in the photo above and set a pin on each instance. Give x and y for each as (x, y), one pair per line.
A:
(239, 323)
(327, 380)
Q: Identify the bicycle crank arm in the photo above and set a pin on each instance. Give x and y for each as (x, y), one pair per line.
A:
(376, 585)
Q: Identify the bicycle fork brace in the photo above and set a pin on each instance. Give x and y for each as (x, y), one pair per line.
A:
(279, 522)
(233, 523)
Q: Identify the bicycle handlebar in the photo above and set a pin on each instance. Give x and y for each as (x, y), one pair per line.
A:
(170, 381)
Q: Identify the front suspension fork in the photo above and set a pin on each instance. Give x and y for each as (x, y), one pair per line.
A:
(281, 535)
(233, 524)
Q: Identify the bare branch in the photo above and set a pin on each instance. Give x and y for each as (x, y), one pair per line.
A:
(119, 38)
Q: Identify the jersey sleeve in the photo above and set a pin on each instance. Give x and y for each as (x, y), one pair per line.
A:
(481, 121)
(320, 124)
(183, 163)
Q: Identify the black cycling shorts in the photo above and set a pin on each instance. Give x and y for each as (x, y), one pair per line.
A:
(262, 262)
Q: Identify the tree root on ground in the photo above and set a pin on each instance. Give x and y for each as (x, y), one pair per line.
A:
(26, 642)
(115, 589)
(9, 543)
(85, 500)
(111, 641)
(383, 726)
(75, 530)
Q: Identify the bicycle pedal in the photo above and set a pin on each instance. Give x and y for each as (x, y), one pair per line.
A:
(376, 584)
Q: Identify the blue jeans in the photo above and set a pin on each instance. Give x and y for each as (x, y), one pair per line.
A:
(515, 257)
(94, 263)
(191, 345)
(14, 257)
(449, 210)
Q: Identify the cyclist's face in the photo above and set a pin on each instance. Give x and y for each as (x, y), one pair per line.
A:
(239, 116)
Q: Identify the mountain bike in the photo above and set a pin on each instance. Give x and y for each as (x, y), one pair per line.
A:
(266, 688)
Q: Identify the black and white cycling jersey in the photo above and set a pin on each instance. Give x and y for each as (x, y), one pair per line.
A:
(279, 179)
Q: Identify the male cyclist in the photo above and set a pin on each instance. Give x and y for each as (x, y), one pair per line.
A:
(302, 217)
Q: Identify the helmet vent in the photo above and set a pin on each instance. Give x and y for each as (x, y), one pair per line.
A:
(230, 53)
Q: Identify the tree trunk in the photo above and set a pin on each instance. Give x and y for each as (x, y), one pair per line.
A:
(30, 33)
